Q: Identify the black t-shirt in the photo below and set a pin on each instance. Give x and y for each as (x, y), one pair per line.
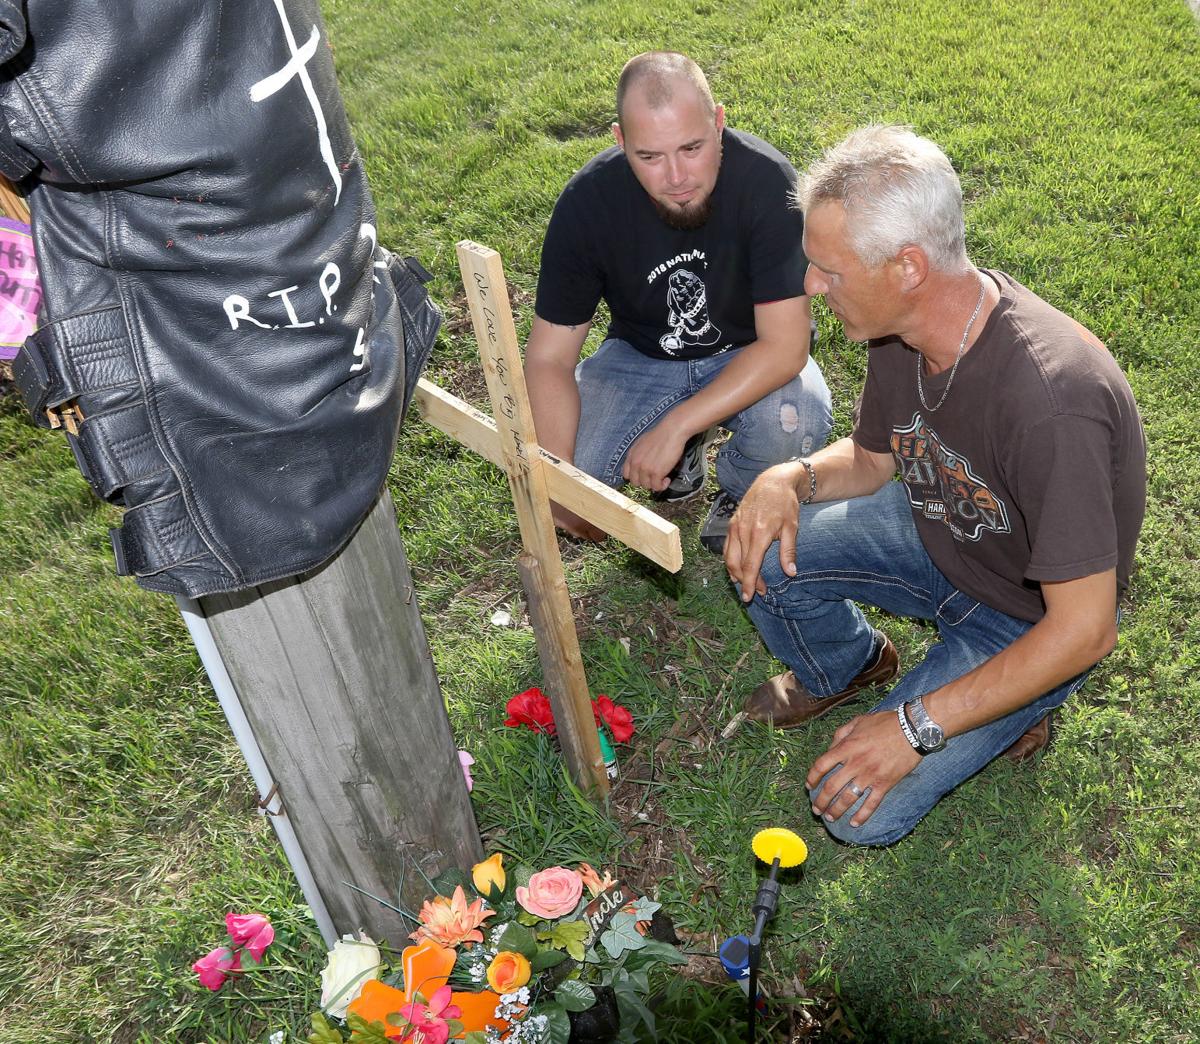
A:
(674, 293)
(1033, 469)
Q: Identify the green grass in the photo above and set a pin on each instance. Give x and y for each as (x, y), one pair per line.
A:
(1062, 903)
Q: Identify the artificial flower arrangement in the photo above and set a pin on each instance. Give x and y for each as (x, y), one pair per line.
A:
(249, 935)
(561, 955)
(532, 709)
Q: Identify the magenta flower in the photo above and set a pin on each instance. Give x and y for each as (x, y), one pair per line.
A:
(216, 966)
(253, 931)
(428, 1024)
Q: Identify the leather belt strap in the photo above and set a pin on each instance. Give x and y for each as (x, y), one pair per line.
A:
(155, 537)
(69, 357)
(116, 448)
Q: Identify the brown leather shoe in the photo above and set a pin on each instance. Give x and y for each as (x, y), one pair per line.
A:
(785, 703)
(1036, 740)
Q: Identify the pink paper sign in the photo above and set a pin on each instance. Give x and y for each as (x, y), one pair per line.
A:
(20, 291)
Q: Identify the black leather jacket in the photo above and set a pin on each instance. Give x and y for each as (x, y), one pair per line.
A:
(216, 306)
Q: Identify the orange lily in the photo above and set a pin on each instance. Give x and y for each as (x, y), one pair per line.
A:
(452, 921)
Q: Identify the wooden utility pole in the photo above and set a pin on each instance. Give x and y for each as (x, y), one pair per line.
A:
(334, 675)
(328, 684)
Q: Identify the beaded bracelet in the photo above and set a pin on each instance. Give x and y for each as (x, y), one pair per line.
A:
(812, 481)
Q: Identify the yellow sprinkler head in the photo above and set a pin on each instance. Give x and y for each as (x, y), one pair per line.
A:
(777, 843)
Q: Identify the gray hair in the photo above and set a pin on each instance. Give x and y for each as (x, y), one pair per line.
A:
(898, 190)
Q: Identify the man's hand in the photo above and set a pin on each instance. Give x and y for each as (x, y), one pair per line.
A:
(576, 525)
(872, 753)
(653, 456)
(769, 511)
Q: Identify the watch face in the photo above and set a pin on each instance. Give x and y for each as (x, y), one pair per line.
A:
(930, 735)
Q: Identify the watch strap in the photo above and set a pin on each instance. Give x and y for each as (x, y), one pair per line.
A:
(921, 723)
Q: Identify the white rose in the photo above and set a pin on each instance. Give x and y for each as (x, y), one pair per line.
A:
(351, 963)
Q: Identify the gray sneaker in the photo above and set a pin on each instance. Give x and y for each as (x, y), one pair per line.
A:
(716, 526)
(688, 477)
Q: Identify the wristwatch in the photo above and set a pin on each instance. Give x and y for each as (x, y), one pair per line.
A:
(929, 734)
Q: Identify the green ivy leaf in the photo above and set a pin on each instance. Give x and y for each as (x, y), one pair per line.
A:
(622, 935)
(526, 918)
(574, 995)
(323, 1033)
(558, 1024)
(644, 909)
(519, 939)
(567, 935)
(475, 1037)
(544, 959)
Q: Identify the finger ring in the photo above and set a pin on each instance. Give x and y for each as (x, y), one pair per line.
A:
(854, 789)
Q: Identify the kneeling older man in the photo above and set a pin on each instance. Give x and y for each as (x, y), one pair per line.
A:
(1022, 468)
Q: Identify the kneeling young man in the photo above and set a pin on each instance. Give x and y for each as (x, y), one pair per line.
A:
(1022, 481)
(685, 229)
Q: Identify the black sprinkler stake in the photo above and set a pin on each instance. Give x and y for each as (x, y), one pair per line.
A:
(778, 847)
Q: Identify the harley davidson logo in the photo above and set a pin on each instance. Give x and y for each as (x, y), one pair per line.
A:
(942, 485)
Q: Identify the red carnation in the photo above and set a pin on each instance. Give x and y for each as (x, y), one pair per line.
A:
(617, 718)
(530, 708)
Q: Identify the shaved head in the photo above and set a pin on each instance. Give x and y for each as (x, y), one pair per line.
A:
(656, 76)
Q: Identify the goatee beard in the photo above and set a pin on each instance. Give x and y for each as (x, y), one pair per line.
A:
(685, 218)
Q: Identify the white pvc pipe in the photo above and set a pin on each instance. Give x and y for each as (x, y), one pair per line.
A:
(214, 665)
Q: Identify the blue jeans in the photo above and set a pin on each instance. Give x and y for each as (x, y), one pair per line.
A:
(623, 393)
(867, 550)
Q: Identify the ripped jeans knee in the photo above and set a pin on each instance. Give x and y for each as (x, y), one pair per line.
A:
(792, 421)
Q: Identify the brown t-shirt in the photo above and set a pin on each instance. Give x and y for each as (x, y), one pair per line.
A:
(1034, 467)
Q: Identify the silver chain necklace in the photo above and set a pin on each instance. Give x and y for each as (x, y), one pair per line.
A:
(962, 346)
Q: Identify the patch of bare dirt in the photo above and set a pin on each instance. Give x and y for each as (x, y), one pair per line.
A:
(464, 378)
(457, 313)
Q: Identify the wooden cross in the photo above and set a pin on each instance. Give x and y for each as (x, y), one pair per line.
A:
(535, 478)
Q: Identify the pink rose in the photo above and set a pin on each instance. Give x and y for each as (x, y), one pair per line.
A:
(552, 893)
(215, 966)
(253, 931)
